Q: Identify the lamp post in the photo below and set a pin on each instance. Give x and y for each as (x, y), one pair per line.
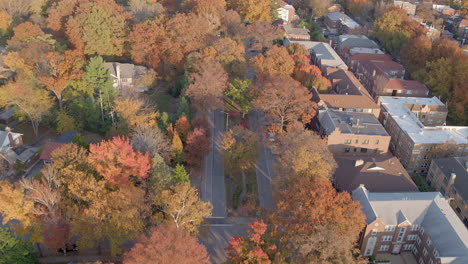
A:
(227, 119)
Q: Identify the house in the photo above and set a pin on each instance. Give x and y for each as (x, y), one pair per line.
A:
(380, 173)
(12, 151)
(347, 94)
(414, 143)
(286, 12)
(421, 223)
(296, 33)
(322, 54)
(444, 10)
(10, 139)
(128, 76)
(397, 87)
(338, 23)
(410, 8)
(449, 176)
(50, 147)
(354, 61)
(351, 133)
(348, 45)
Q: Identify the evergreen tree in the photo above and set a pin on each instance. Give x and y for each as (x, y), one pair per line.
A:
(180, 174)
(14, 250)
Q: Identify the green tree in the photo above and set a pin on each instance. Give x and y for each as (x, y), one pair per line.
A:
(237, 95)
(15, 250)
(65, 123)
(183, 108)
(180, 175)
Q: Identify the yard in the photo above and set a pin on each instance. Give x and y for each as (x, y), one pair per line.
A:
(29, 138)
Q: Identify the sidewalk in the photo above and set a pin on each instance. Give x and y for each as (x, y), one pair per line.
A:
(75, 259)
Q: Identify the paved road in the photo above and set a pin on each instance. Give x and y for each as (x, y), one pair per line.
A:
(220, 231)
(265, 160)
(213, 189)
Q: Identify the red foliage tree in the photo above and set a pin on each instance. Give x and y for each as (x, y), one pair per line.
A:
(198, 145)
(116, 160)
(167, 245)
(254, 249)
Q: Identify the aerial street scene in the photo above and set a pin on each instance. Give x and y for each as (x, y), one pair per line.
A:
(233, 131)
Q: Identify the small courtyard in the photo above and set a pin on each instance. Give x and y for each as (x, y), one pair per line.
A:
(403, 258)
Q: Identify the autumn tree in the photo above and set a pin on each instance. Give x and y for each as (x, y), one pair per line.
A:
(177, 148)
(207, 86)
(183, 208)
(61, 69)
(13, 205)
(180, 174)
(261, 34)
(150, 139)
(359, 8)
(256, 248)
(14, 250)
(116, 160)
(23, 34)
(275, 60)
(415, 53)
(297, 49)
(30, 101)
(230, 53)
(311, 76)
(316, 224)
(252, 10)
(318, 7)
(390, 29)
(183, 127)
(94, 27)
(133, 113)
(239, 151)
(238, 95)
(198, 146)
(167, 245)
(148, 40)
(232, 26)
(304, 153)
(143, 10)
(283, 100)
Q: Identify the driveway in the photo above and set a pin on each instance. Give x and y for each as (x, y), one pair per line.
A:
(265, 160)
(213, 188)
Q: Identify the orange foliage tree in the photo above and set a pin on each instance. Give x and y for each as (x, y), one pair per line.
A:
(116, 160)
(275, 60)
(198, 145)
(167, 245)
(182, 126)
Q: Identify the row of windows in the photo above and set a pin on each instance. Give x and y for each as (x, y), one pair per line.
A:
(362, 150)
(365, 141)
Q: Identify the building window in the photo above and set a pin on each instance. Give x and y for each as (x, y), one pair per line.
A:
(346, 150)
(389, 228)
(414, 227)
(376, 150)
(435, 253)
(357, 141)
(408, 247)
(374, 232)
(384, 247)
(421, 261)
(415, 251)
(421, 231)
(431, 261)
(377, 142)
(428, 242)
(424, 165)
(426, 157)
(363, 150)
(366, 141)
(411, 237)
(418, 241)
(347, 141)
(387, 238)
(368, 252)
(425, 252)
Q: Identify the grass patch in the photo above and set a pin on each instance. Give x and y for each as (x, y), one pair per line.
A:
(421, 183)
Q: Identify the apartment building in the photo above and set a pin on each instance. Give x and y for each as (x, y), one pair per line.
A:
(449, 176)
(296, 33)
(355, 60)
(321, 53)
(347, 45)
(419, 222)
(350, 133)
(337, 22)
(414, 143)
(347, 94)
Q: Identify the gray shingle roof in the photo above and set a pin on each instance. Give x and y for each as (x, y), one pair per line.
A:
(350, 122)
(457, 165)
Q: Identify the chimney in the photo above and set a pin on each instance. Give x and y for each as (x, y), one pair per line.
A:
(10, 138)
(373, 73)
(358, 163)
(7, 129)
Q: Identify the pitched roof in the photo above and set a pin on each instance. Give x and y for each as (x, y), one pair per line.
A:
(350, 123)
(383, 67)
(383, 173)
(4, 137)
(370, 57)
(48, 148)
(398, 84)
(458, 166)
(324, 52)
(346, 81)
(428, 209)
(356, 41)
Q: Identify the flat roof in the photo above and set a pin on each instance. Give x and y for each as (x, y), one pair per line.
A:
(296, 30)
(344, 19)
(420, 134)
(351, 123)
(324, 52)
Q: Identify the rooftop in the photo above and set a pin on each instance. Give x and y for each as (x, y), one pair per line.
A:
(370, 57)
(383, 173)
(383, 67)
(428, 209)
(459, 167)
(48, 148)
(324, 52)
(296, 30)
(343, 18)
(398, 84)
(358, 50)
(347, 101)
(347, 82)
(350, 123)
(408, 122)
(356, 41)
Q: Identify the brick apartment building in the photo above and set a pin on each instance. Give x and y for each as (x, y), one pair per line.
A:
(321, 53)
(419, 222)
(449, 176)
(295, 33)
(350, 133)
(348, 45)
(337, 22)
(356, 60)
(347, 94)
(417, 135)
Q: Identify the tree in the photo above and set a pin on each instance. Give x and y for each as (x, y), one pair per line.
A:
(254, 249)
(415, 53)
(94, 27)
(238, 96)
(316, 224)
(208, 83)
(183, 208)
(275, 60)
(283, 100)
(13, 205)
(152, 140)
(230, 53)
(177, 148)
(239, 151)
(167, 245)
(30, 101)
(116, 161)
(318, 7)
(304, 153)
(252, 10)
(143, 10)
(198, 146)
(180, 175)
(23, 34)
(389, 29)
(311, 76)
(232, 26)
(14, 249)
(360, 8)
(65, 123)
(134, 113)
(297, 49)
(182, 126)
(261, 34)
(147, 39)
